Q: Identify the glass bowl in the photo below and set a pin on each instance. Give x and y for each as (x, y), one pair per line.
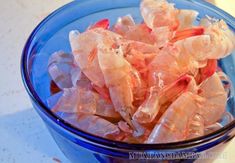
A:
(52, 35)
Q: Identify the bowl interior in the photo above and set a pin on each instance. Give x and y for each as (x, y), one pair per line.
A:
(52, 35)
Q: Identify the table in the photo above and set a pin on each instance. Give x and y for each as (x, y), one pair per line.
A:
(23, 136)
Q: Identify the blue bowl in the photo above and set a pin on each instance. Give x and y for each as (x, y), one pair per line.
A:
(52, 35)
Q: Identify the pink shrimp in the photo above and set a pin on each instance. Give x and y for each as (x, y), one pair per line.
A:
(186, 18)
(116, 71)
(162, 36)
(123, 24)
(94, 125)
(217, 42)
(140, 33)
(186, 33)
(63, 70)
(158, 101)
(159, 13)
(83, 100)
(172, 126)
(167, 66)
(207, 71)
(149, 109)
(104, 23)
(84, 47)
(222, 39)
(216, 99)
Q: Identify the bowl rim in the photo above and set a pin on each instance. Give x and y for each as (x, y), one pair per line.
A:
(103, 141)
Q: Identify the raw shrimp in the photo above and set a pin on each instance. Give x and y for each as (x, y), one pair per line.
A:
(94, 125)
(116, 71)
(162, 36)
(67, 102)
(217, 42)
(106, 109)
(84, 48)
(159, 100)
(216, 99)
(159, 13)
(167, 66)
(140, 33)
(149, 109)
(123, 24)
(104, 23)
(196, 127)
(63, 70)
(172, 126)
(152, 82)
(186, 18)
(82, 100)
(207, 71)
(221, 37)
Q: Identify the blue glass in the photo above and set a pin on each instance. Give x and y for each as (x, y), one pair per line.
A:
(52, 35)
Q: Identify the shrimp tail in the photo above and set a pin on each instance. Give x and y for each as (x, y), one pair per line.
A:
(104, 23)
(172, 91)
(180, 35)
(207, 71)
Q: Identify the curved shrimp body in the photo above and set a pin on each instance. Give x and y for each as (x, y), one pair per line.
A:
(84, 48)
(216, 99)
(159, 13)
(167, 66)
(158, 101)
(217, 42)
(82, 100)
(63, 70)
(116, 71)
(222, 39)
(94, 125)
(173, 123)
(149, 109)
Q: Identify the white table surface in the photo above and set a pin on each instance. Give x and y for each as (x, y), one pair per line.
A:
(23, 136)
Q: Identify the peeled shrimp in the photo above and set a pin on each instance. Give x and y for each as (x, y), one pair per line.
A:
(167, 66)
(217, 42)
(63, 70)
(140, 33)
(94, 125)
(82, 100)
(158, 101)
(123, 24)
(172, 126)
(216, 99)
(149, 109)
(159, 13)
(186, 18)
(221, 37)
(84, 48)
(116, 71)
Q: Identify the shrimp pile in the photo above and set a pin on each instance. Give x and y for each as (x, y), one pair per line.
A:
(152, 82)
